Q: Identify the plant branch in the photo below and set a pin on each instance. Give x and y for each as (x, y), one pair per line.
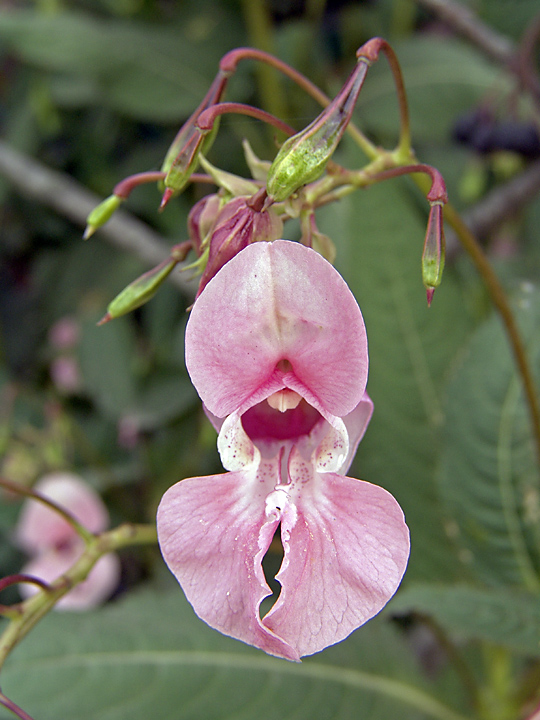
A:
(37, 606)
(465, 22)
(56, 190)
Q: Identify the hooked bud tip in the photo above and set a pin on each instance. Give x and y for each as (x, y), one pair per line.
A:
(105, 319)
(167, 195)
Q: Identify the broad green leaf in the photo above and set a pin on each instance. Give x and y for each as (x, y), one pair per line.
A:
(443, 78)
(149, 71)
(150, 657)
(489, 473)
(503, 617)
(106, 356)
(379, 235)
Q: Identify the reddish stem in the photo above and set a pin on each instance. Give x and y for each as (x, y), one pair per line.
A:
(15, 709)
(124, 187)
(206, 119)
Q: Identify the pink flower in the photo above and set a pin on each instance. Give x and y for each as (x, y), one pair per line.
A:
(54, 546)
(277, 349)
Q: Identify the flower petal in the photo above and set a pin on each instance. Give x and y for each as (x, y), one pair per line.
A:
(41, 527)
(346, 549)
(272, 302)
(213, 533)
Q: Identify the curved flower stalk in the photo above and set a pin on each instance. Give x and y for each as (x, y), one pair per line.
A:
(277, 349)
(54, 545)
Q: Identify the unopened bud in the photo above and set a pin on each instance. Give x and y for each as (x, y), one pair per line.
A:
(303, 157)
(201, 219)
(140, 290)
(434, 250)
(241, 222)
(183, 156)
(101, 214)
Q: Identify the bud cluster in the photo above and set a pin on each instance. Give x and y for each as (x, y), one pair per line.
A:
(302, 176)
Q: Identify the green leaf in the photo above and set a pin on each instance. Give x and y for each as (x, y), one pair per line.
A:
(443, 78)
(150, 657)
(489, 473)
(503, 617)
(379, 236)
(149, 71)
(106, 356)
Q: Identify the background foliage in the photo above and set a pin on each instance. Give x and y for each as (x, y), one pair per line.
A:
(96, 89)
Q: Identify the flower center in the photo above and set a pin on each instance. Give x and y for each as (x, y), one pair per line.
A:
(283, 400)
(267, 422)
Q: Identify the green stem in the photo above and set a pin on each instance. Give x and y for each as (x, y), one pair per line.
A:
(37, 606)
(83, 533)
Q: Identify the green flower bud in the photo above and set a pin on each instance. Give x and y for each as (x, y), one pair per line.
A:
(434, 250)
(101, 214)
(303, 157)
(140, 291)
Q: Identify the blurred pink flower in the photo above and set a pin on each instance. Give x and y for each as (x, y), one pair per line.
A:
(54, 546)
(277, 349)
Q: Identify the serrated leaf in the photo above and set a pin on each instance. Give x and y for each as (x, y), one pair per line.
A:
(150, 657)
(489, 474)
(379, 236)
(503, 617)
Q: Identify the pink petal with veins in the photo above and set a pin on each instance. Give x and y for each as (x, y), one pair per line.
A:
(213, 533)
(277, 302)
(346, 548)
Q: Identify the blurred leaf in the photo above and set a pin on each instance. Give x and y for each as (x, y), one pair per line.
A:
(489, 473)
(165, 398)
(499, 616)
(379, 236)
(106, 356)
(443, 78)
(149, 71)
(150, 657)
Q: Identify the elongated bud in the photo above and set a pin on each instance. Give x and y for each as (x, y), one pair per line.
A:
(434, 250)
(143, 289)
(241, 222)
(304, 156)
(201, 220)
(101, 214)
(183, 156)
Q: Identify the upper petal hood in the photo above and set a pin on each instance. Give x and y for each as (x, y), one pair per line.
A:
(277, 301)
